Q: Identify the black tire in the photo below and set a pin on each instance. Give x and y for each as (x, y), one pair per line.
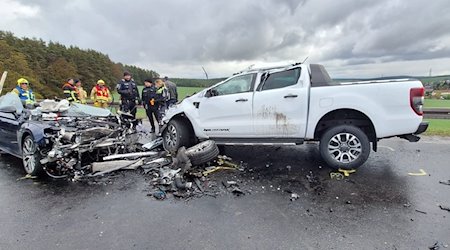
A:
(345, 147)
(176, 135)
(31, 157)
(203, 152)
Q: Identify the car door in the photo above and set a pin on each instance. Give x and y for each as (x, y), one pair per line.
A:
(8, 132)
(226, 109)
(280, 105)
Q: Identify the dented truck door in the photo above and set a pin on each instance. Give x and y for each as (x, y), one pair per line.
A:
(280, 104)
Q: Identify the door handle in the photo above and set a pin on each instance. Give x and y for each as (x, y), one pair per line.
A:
(290, 96)
(241, 100)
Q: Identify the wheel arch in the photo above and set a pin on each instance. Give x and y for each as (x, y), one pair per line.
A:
(182, 117)
(349, 117)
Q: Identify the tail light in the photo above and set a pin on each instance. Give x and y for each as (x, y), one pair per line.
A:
(416, 99)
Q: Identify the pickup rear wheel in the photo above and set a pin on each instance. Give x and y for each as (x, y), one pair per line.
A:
(345, 147)
(31, 157)
(176, 135)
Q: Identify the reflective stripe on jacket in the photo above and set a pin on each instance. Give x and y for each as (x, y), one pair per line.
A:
(70, 92)
(26, 96)
(99, 94)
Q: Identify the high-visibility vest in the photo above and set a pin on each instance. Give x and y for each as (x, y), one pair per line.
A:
(101, 94)
(70, 92)
(26, 96)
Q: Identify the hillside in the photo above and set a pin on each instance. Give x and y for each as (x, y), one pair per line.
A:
(48, 65)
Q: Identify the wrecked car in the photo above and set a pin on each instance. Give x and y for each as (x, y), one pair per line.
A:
(288, 104)
(62, 139)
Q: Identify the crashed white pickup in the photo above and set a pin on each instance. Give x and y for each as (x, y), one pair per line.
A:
(294, 103)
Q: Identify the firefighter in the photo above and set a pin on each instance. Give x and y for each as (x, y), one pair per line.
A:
(82, 94)
(100, 95)
(24, 92)
(149, 102)
(129, 94)
(70, 91)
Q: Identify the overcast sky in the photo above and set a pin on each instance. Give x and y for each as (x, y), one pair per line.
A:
(352, 38)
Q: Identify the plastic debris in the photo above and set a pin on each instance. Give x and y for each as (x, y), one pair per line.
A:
(447, 182)
(421, 173)
(153, 144)
(444, 208)
(294, 196)
(336, 176)
(347, 172)
(28, 176)
(419, 211)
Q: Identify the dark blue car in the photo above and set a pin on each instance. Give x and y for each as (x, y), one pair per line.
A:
(57, 138)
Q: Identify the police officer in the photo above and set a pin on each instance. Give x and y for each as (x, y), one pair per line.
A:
(173, 93)
(129, 94)
(24, 92)
(149, 102)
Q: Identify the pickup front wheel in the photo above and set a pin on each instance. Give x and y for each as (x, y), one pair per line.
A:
(176, 135)
(345, 147)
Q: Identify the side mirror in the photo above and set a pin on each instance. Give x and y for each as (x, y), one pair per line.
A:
(211, 93)
(208, 93)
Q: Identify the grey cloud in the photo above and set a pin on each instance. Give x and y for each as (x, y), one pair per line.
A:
(207, 32)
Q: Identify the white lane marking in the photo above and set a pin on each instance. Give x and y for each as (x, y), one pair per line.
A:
(387, 148)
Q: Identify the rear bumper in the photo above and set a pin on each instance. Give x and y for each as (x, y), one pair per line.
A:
(422, 128)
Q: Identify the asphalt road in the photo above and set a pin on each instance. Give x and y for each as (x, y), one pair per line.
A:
(374, 208)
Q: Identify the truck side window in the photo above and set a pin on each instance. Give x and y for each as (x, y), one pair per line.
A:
(235, 85)
(281, 79)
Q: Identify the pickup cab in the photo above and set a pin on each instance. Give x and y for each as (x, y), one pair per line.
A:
(294, 103)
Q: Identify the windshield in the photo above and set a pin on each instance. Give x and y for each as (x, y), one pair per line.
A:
(11, 103)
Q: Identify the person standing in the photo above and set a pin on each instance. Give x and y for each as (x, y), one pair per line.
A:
(70, 91)
(173, 93)
(129, 94)
(149, 102)
(82, 94)
(24, 92)
(162, 95)
(100, 95)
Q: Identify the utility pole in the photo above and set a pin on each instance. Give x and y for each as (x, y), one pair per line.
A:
(430, 73)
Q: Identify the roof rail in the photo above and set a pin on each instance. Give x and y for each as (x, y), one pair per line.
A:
(267, 66)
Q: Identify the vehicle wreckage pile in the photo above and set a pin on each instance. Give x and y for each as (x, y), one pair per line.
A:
(82, 144)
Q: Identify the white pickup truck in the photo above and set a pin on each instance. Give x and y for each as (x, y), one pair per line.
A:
(290, 104)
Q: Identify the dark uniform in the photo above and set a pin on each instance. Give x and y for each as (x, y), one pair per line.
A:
(150, 104)
(129, 94)
(70, 92)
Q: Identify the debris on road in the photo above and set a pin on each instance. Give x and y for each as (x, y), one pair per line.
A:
(153, 144)
(28, 176)
(419, 211)
(446, 208)
(447, 182)
(421, 173)
(437, 245)
(347, 172)
(294, 196)
(336, 176)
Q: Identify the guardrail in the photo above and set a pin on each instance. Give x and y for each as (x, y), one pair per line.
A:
(436, 113)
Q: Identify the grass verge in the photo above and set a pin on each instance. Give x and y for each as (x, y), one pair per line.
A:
(439, 127)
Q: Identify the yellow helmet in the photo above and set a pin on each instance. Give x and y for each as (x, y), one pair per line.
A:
(101, 82)
(22, 80)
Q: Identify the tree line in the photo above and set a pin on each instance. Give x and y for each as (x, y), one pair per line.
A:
(47, 65)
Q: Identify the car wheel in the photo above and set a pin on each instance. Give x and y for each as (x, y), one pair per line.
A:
(177, 134)
(345, 147)
(203, 152)
(31, 157)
